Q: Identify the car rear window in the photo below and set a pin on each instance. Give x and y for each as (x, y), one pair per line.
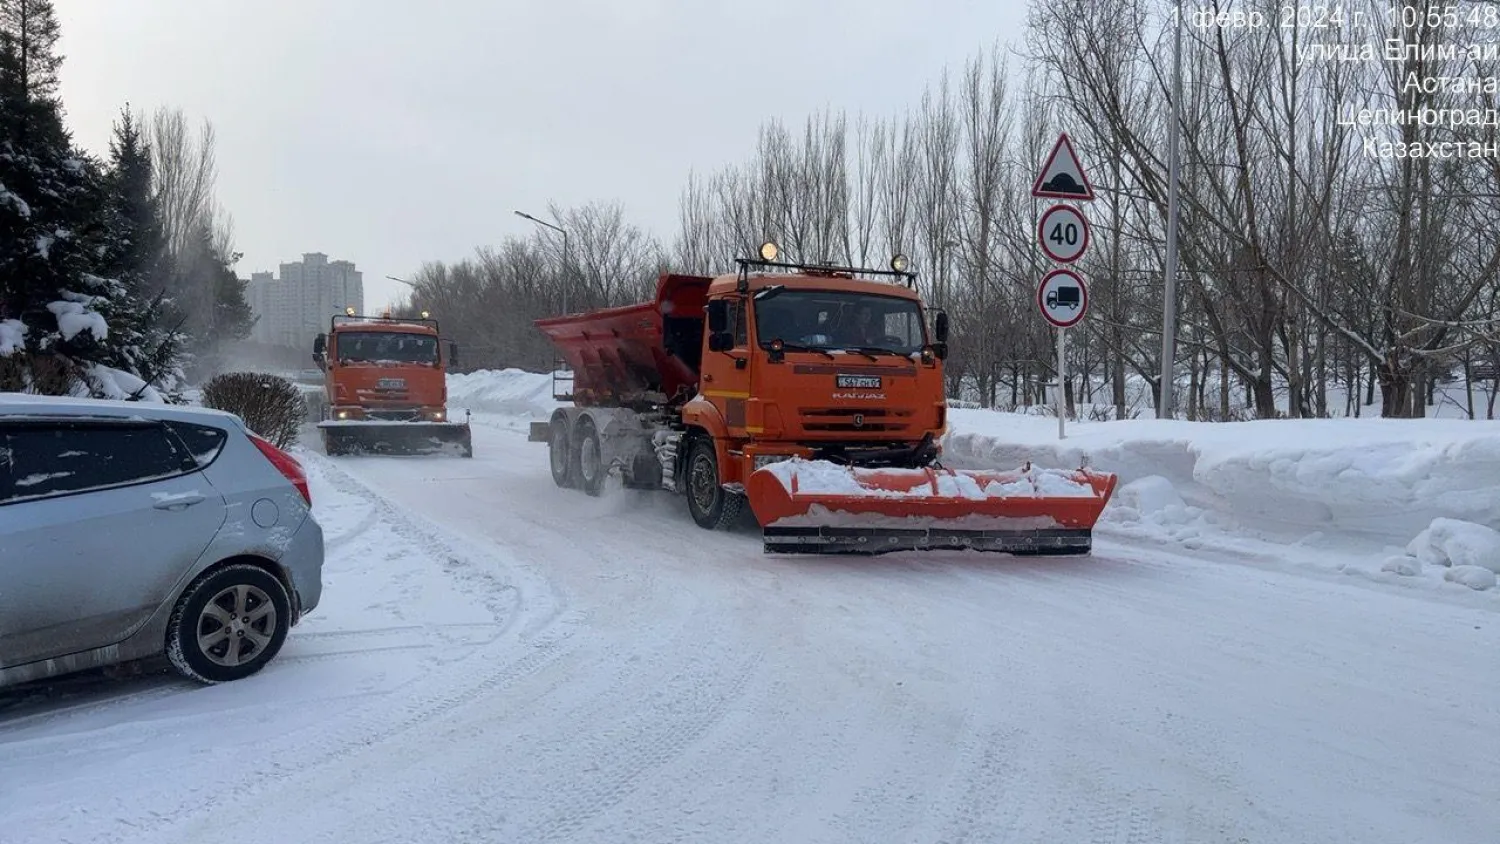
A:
(203, 441)
(47, 459)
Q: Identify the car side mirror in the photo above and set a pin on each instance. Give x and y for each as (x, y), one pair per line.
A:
(940, 329)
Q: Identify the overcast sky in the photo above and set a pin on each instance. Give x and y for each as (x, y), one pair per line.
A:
(391, 132)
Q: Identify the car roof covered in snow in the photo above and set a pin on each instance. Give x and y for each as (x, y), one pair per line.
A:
(14, 405)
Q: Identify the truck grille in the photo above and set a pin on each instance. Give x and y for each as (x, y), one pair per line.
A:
(384, 394)
(855, 420)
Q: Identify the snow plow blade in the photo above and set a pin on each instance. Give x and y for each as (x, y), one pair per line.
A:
(396, 438)
(816, 507)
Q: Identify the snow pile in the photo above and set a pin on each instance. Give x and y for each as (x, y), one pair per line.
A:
(1467, 553)
(1383, 480)
(1359, 488)
(821, 477)
(510, 392)
(12, 336)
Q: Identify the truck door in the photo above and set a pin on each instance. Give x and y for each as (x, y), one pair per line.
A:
(726, 375)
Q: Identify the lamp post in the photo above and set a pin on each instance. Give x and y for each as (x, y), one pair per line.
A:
(567, 253)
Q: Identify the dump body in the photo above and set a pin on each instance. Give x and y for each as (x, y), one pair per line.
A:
(637, 355)
(730, 389)
(386, 389)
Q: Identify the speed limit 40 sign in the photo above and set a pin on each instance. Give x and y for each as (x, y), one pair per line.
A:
(1063, 233)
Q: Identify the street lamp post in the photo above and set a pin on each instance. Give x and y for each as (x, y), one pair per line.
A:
(567, 254)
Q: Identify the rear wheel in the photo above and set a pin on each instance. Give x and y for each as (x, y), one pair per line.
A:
(591, 469)
(712, 506)
(557, 449)
(229, 624)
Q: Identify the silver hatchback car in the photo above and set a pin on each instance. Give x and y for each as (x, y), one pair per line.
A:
(130, 530)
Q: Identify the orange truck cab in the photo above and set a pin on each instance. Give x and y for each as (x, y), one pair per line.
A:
(385, 381)
(813, 394)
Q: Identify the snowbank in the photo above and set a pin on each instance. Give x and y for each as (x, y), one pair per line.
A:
(1356, 487)
(1383, 479)
(509, 392)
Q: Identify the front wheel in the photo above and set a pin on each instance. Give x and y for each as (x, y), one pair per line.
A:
(712, 506)
(229, 624)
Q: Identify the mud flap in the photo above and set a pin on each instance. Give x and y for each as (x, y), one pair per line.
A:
(816, 507)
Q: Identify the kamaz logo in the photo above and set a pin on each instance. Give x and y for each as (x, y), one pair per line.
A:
(858, 382)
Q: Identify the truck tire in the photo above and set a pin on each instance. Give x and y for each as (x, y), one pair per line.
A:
(712, 506)
(559, 454)
(591, 469)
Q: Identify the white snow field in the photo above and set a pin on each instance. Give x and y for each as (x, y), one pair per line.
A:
(1242, 659)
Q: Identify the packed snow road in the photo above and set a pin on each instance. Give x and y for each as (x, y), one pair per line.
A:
(500, 660)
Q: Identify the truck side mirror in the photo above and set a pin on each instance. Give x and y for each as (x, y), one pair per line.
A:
(452, 353)
(718, 316)
(940, 329)
(320, 345)
(719, 338)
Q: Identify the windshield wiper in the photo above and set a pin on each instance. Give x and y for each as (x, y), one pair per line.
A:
(871, 351)
(798, 347)
(770, 292)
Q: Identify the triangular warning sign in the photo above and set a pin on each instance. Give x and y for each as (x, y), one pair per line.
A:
(1062, 176)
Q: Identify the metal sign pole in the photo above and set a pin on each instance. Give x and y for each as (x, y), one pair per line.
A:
(1059, 400)
(1064, 235)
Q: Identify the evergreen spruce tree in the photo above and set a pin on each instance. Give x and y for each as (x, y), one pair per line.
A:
(144, 336)
(50, 212)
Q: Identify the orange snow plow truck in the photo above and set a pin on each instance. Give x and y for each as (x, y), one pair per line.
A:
(813, 394)
(385, 388)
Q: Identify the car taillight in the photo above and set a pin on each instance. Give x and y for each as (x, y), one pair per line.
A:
(286, 464)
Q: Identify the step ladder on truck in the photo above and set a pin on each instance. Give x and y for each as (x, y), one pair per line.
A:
(812, 394)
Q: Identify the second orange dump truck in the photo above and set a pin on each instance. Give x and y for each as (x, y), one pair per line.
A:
(812, 394)
(386, 389)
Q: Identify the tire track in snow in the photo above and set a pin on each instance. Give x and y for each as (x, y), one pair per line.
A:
(544, 759)
(537, 631)
(641, 745)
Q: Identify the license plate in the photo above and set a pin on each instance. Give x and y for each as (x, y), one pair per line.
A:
(859, 382)
(392, 383)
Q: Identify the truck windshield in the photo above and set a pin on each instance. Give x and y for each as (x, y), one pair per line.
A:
(832, 320)
(386, 347)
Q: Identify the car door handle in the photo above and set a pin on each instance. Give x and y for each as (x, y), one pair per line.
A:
(179, 502)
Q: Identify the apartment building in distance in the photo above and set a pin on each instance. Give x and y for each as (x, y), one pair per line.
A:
(296, 306)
